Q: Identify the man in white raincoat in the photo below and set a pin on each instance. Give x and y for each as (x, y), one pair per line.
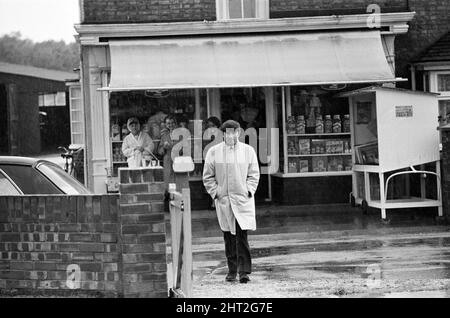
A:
(137, 144)
(231, 176)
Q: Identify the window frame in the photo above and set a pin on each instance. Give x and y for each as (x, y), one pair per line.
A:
(5, 175)
(434, 84)
(262, 10)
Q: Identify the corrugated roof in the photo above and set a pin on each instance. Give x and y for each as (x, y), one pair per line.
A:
(37, 72)
(439, 51)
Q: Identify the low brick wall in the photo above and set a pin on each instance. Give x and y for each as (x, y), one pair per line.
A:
(143, 233)
(41, 236)
(99, 245)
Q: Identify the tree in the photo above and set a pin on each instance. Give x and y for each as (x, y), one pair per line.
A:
(48, 54)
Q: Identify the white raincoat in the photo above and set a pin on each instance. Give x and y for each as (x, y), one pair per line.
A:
(134, 158)
(231, 176)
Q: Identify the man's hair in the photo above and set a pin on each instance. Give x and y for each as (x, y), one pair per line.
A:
(230, 124)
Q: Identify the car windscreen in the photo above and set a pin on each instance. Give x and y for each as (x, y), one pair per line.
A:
(6, 187)
(62, 179)
(29, 180)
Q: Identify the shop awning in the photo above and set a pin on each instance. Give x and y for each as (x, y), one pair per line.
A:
(249, 61)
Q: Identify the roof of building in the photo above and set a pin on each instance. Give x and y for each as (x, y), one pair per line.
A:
(438, 52)
(31, 71)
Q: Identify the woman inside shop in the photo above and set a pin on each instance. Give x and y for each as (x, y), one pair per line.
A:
(165, 149)
(137, 145)
(213, 123)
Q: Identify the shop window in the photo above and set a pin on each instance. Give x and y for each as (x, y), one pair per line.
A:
(52, 99)
(242, 9)
(316, 132)
(188, 106)
(244, 105)
(444, 112)
(444, 82)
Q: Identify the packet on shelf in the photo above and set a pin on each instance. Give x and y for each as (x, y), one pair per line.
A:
(291, 125)
(301, 125)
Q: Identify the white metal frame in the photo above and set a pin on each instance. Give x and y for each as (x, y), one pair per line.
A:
(383, 204)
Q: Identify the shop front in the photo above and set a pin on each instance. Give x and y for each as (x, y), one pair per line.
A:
(279, 78)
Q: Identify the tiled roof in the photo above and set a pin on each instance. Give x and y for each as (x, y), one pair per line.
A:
(37, 72)
(439, 51)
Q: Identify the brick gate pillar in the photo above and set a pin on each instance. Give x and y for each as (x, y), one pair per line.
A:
(445, 173)
(143, 232)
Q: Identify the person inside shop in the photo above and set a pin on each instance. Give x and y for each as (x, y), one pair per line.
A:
(155, 122)
(212, 123)
(231, 177)
(137, 145)
(165, 149)
(237, 116)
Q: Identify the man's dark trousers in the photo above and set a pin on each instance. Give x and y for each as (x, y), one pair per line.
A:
(237, 251)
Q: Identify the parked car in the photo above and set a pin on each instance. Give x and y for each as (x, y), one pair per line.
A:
(23, 175)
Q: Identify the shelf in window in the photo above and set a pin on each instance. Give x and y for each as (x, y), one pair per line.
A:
(314, 174)
(319, 135)
(117, 141)
(321, 155)
(119, 162)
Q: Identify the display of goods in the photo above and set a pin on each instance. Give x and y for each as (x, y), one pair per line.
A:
(319, 125)
(335, 164)
(301, 125)
(292, 166)
(291, 125)
(319, 164)
(328, 126)
(115, 132)
(346, 124)
(303, 165)
(318, 146)
(337, 125)
(304, 146)
(292, 146)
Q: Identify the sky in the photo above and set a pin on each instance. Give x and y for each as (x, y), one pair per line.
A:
(40, 20)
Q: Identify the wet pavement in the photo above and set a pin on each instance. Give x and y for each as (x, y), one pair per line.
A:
(395, 263)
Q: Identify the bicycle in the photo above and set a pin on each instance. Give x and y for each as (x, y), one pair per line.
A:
(68, 155)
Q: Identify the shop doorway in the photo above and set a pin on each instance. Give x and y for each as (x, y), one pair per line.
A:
(4, 131)
(247, 105)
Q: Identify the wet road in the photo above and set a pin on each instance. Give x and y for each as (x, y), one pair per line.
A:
(395, 265)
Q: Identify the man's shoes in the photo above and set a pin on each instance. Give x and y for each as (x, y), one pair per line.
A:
(231, 277)
(243, 278)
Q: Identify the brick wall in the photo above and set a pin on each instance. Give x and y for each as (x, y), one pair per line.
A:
(445, 173)
(432, 21)
(135, 11)
(118, 242)
(297, 8)
(41, 236)
(143, 233)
